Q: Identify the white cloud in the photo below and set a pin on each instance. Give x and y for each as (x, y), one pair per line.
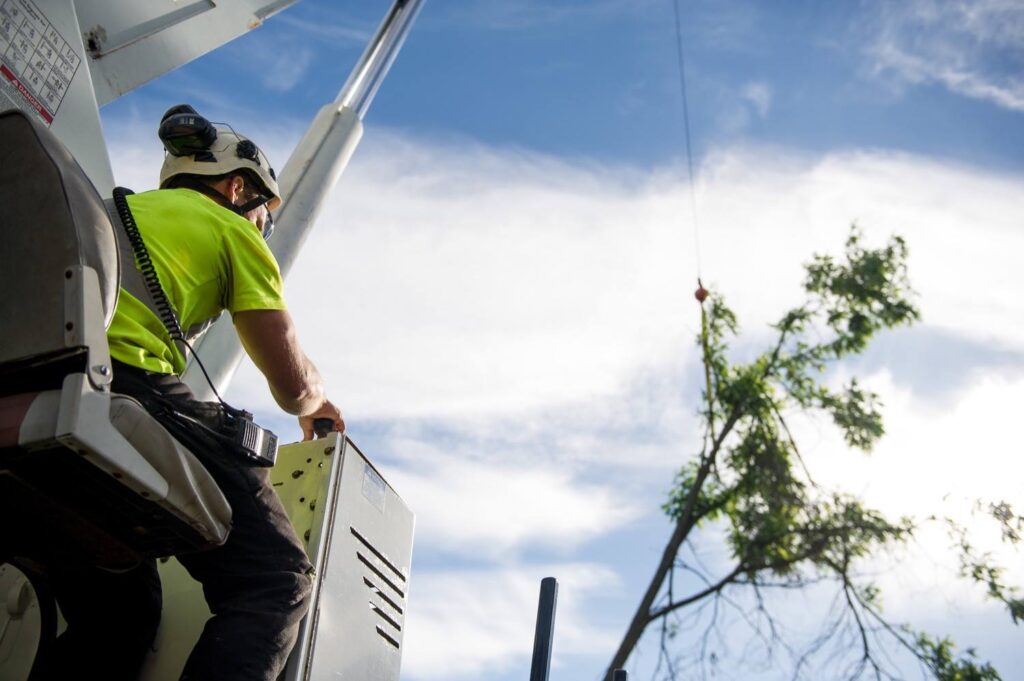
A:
(951, 450)
(764, 212)
(475, 281)
(464, 281)
(972, 47)
(738, 109)
(324, 24)
(933, 455)
(281, 74)
(475, 623)
(491, 507)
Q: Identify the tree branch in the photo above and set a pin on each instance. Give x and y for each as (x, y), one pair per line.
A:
(792, 443)
(685, 523)
(714, 588)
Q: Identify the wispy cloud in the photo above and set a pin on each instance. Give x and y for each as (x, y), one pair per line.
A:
(972, 47)
(741, 108)
(759, 95)
(281, 75)
(331, 28)
(493, 508)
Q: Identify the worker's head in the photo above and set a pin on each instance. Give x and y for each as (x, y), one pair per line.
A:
(201, 155)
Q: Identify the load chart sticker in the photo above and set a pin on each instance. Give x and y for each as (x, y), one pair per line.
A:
(36, 62)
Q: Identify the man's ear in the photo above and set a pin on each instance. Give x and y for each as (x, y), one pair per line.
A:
(236, 186)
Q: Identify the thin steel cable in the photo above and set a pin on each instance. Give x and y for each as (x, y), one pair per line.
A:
(686, 128)
(708, 385)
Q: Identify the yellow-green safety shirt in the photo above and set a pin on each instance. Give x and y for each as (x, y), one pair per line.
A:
(208, 260)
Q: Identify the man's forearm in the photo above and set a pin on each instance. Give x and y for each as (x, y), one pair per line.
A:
(308, 399)
(270, 339)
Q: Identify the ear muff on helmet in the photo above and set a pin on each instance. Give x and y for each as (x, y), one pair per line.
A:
(184, 132)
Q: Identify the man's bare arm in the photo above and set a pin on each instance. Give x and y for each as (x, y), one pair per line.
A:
(270, 339)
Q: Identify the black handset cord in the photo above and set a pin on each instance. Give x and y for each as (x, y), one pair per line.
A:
(147, 269)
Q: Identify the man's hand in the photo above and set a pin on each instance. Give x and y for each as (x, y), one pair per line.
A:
(326, 411)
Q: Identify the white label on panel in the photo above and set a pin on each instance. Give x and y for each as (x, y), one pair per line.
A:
(374, 488)
(36, 62)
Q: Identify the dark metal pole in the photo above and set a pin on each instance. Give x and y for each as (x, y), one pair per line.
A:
(545, 630)
(619, 675)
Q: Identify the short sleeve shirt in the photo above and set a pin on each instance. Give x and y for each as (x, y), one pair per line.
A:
(208, 260)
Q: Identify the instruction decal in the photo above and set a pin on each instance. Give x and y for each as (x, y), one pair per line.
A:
(374, 488)
(36, 62)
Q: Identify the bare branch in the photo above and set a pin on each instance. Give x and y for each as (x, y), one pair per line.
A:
(714, 588)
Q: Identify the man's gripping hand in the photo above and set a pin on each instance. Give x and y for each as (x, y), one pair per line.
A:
(326, 411)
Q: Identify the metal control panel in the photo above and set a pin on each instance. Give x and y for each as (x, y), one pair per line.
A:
(358, 534)
(357, 627)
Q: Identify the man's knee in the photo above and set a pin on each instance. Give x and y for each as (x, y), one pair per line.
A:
(278, 595)
(296, 596)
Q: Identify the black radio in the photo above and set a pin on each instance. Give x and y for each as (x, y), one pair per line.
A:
(233, 427)
(259, 445)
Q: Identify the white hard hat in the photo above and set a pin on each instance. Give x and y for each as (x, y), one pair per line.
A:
(229, 152)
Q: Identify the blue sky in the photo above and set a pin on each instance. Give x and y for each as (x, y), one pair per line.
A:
(500, 292)
(599, 80)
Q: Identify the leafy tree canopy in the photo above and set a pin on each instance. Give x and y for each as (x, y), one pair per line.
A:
(750, 479)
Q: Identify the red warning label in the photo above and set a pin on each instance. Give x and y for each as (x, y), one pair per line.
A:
(35, 60)
(33, 102)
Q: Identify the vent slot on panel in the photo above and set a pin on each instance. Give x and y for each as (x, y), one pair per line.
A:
(380, 575)
(386, 584)
(384, 635)
(377, 591)
(380, 556)
(384, 616)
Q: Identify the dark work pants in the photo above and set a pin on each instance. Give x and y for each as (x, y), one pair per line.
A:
(257, 584)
